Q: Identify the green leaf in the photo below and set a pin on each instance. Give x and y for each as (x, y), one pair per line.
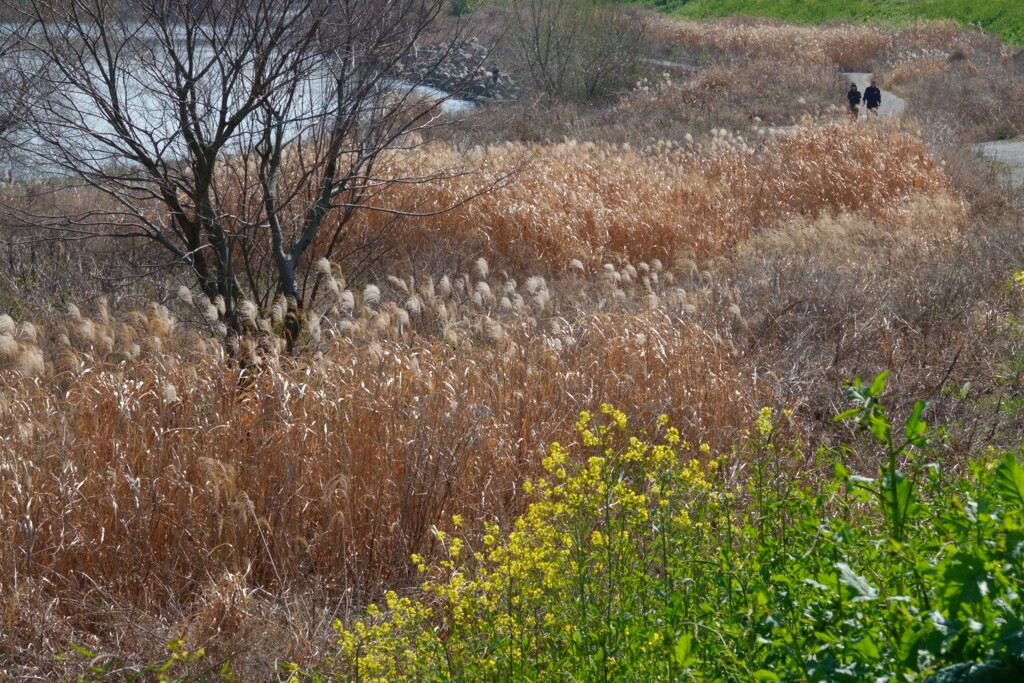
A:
(878, 385)
(765, 675)
(862, 590)
(83, 651)
(842, 474)
(683, 651)
(1010, 481)
(847, 414)
(867, 648)
(967, 582)
(879, 425)
(915, 426)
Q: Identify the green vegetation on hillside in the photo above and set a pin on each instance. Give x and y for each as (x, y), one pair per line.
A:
(1004, 17)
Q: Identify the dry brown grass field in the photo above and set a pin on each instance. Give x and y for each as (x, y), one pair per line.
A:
(150, 492)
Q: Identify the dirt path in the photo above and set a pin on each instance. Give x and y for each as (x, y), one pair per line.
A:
(1007, 155)
(891, 104)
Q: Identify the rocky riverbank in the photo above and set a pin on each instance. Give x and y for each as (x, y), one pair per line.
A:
(463, 70)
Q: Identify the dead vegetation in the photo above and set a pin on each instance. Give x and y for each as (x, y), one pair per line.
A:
(152, 489)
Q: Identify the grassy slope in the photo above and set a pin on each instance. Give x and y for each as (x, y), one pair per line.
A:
(1005, 17)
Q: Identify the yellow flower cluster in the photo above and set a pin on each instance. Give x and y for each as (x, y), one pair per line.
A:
(561, 566)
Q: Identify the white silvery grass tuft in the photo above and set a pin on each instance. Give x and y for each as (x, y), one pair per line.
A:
(332, 285)
(577, 265)
(7, 325)
(483, 289)
(444, 286)
(493, 330)
(103, 309)
(74, 312)
(380, 322)
(541, 299)
(555, 326)
(185, 295)
(505, 304)
(414, 305)
(535, 284)
(280, 308)
(427, 290)
(630, 270)
(218, 301)
(481, 268)
(323, 266)
(248, 310)
(28, 332)
(313, 328)
(86, 329)
(656, 265)
(29, 361)
(619, 295)
(643, 267)
(210, 313)
(398, 284)
(8, 347)
(509, 287)
(371, 295)
(169, 392)
(451, 335)
(402, 317)
(651, 301)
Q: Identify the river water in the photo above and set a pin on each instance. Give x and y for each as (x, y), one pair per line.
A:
(143, 97)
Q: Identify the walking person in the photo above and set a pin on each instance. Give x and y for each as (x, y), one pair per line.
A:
(873, 98)
(853, 95)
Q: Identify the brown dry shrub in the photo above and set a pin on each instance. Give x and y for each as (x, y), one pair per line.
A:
(736, 94)
(597, 201)
(961, 85)
(914, 70)
(155, 488)
(828, 299)
(848, 47)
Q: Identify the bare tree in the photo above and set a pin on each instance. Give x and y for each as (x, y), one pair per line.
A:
(577, 48)
(228, 131)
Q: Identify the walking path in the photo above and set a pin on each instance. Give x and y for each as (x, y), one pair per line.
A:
(891, 104)
(1008, 155)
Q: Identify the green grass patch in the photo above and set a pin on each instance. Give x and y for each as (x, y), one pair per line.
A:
(1003, 17)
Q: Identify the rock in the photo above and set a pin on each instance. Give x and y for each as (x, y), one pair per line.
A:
(461, 70)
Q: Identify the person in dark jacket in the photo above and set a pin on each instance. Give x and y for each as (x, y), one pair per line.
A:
(873, 98)
(854, 96)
